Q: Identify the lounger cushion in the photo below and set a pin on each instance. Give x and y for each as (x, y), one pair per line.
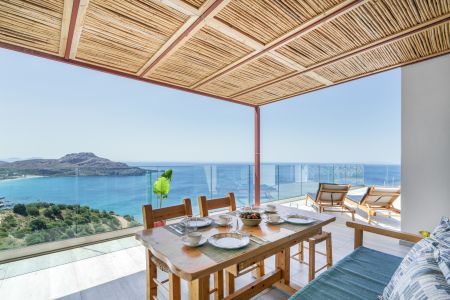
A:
(312, 195)
(355, 198)
(361, 275)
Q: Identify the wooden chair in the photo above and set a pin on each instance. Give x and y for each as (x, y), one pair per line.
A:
(232, 272)
(151, 216)
(376, 198)
(331, 196)
(312, 242)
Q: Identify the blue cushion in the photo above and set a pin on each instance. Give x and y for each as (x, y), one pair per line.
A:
(361, 275)
(355, 198)
(442, 256)
(312, 195)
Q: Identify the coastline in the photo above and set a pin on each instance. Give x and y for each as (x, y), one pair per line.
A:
(23, 177)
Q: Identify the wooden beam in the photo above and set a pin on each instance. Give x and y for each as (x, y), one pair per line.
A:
(256, 286)
(296, 66)
(303, 29)
(54, 57)
(234, 33)
(379, 43)
(208, 13)
(359, 76)
(360, 228)
(78, 22)
(65, 24)
(166, 45)
(252, 43)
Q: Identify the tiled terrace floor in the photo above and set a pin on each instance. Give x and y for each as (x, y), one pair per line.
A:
(120, 274)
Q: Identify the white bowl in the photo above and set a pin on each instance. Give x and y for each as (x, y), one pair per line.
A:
(193, 237)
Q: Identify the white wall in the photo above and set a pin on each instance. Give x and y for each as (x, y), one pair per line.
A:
(425, 143)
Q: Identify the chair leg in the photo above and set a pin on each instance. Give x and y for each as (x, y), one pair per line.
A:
(369, 216)
(301, 255)
(174, 287)
(229, 282)
(261, 269)
(312, 260)
(329, 251)
(152, 287)
(218, 285)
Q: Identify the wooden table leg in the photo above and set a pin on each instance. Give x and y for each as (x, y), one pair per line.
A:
(152, 287)
(282, 262)
(199, 289)
(229, 282)
(174, 287)
(218, 285)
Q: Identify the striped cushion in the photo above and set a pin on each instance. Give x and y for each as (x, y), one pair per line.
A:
(422, 280)
(407, 261)
(442, 232)
(442, 256)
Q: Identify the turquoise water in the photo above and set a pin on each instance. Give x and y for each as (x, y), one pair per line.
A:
(126, 194)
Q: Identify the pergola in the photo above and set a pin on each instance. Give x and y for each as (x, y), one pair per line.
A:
(250, 52)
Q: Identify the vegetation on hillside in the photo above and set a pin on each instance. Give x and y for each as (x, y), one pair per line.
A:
(41, 222)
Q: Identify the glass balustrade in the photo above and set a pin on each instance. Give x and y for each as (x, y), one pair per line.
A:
(68, 203)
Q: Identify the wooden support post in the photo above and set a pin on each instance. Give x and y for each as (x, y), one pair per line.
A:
(152, 287)
(358, 237)
(218, 285)
(312, 260)
(174, 287)
(282, 262)
(229, 283)
(199, 289)
(257, 156)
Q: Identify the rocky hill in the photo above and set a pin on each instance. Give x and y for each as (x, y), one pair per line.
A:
(81, 164)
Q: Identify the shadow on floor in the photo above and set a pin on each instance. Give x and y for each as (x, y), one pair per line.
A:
(130, 287)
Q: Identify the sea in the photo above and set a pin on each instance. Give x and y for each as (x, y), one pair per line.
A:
(125, 195)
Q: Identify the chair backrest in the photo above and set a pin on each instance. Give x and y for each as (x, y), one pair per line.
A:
(332, 194)
(151, 215)
(380, 196)
(206, 205)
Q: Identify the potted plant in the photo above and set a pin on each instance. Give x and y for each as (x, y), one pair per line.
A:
(161, 189)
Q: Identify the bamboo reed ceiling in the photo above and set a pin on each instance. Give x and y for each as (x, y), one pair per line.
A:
(252, 52)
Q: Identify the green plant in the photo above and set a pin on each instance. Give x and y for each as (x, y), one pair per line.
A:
(32, 210)
(38, 224)
(20, 209)
(161, 187)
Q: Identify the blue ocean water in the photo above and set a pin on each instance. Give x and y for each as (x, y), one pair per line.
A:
(127, 194)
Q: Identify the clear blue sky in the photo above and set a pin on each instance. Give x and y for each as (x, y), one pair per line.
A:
(48, 109)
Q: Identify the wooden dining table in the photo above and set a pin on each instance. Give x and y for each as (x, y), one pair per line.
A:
(196, 264)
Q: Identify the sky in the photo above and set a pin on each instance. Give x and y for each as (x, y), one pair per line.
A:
(49, 109)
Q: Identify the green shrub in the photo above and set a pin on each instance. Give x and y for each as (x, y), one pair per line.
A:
(32, 210)
(48, 213)
(20, 209)
(99, 228)
(62, 206)
(37, 238)
(68, 222)
(37, 224)
(19, 234)
(55, 210)
(3, 234)
(9, 222)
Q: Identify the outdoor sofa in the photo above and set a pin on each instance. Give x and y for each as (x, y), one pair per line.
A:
(424, 273)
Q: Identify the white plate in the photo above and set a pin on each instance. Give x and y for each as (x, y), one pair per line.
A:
(186, 243)
(196, 222)
(230, 240)
(281, 221)
(298, 219)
